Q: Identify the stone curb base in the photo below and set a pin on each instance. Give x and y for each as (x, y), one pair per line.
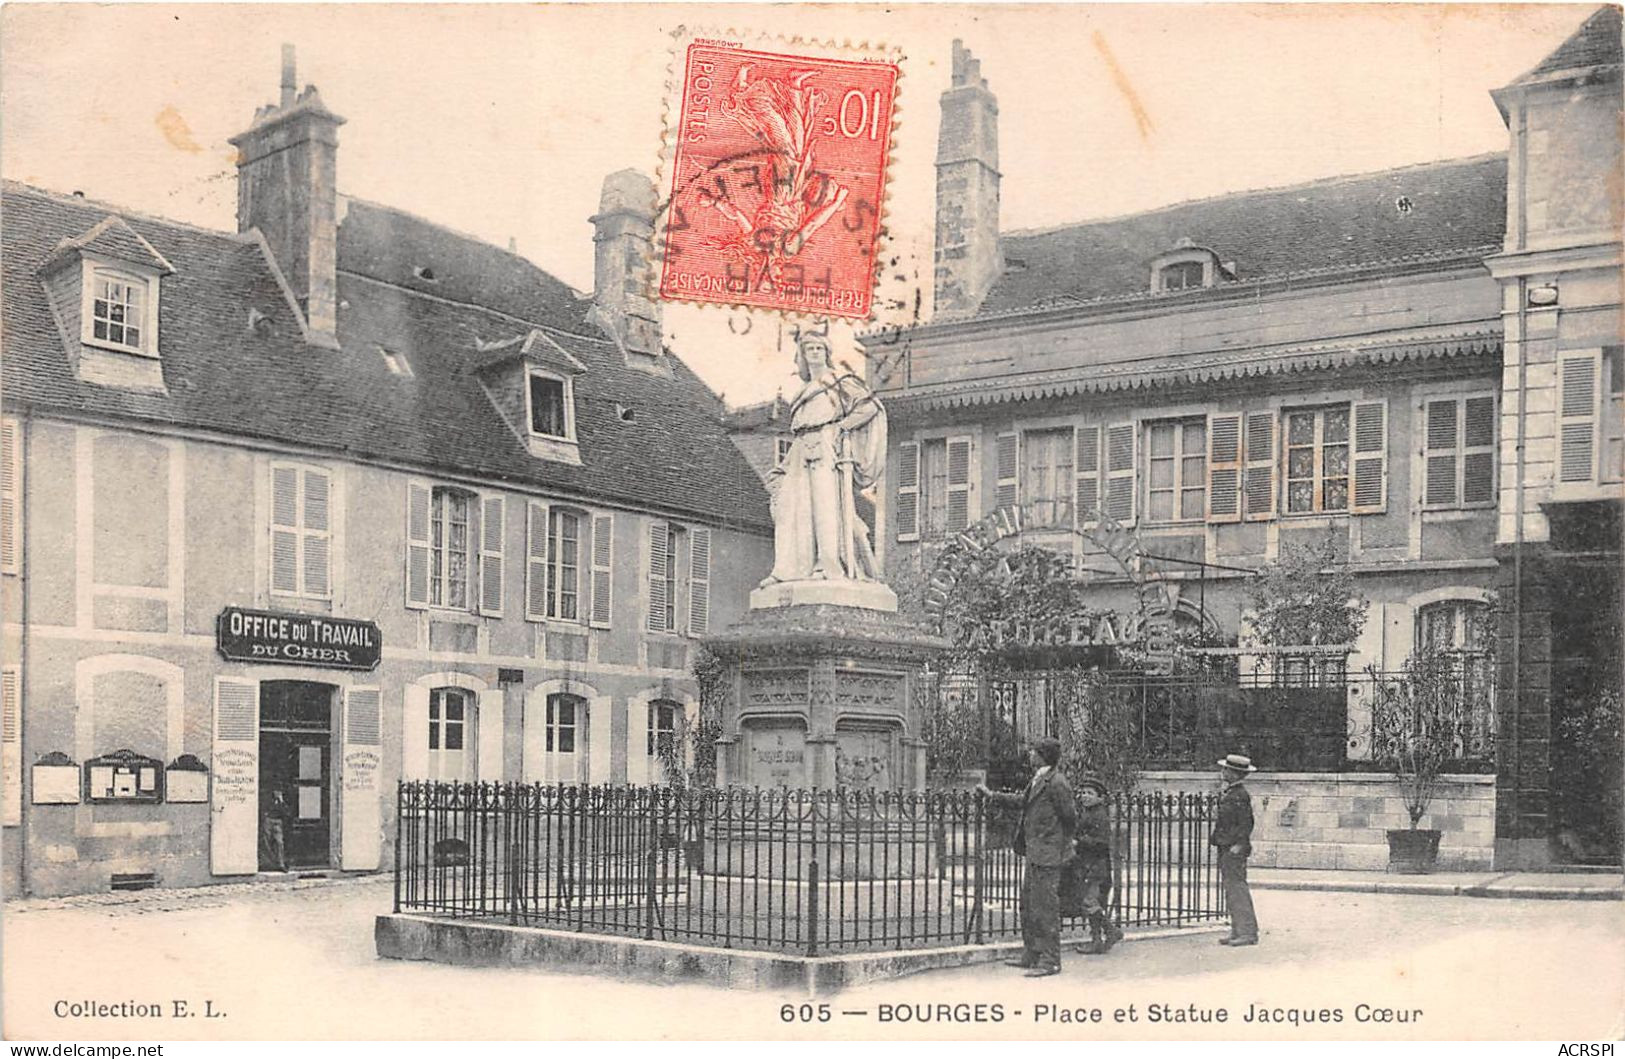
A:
(1445, 889)
(210, 895)
(409, 937)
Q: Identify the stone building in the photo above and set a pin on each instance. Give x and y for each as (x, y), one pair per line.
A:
(341, 498)
(1181, 395)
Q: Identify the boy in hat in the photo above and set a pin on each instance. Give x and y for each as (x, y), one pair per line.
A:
(1095, 851)
(1049, 817)
(1233, 833)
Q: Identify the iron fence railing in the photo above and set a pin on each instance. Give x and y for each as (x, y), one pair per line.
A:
(778, 870)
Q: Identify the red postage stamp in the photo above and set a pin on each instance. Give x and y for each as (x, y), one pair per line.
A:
(778, 179)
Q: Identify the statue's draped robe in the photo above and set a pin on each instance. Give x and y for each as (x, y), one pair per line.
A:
(813, 501)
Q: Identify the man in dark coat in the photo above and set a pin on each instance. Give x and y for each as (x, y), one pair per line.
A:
(1049, 817)
(1233, 834)
(1095, 853)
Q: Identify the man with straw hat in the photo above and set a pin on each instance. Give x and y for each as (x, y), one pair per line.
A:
(1233, 833)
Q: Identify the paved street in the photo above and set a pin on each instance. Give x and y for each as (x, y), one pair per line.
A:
(283, 963)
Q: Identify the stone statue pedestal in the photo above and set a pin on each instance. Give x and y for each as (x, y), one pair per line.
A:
(824, 694)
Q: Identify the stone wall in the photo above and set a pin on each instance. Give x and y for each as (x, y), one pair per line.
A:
(1339, 820)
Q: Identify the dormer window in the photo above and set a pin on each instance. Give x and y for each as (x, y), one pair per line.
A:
(121, 309)
(552, 412)
(1188, 267)
(1182, 276)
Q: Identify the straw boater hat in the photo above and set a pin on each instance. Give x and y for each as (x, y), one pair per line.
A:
(1237, 763)
(1092, 781)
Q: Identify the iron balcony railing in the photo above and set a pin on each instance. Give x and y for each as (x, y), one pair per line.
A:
(775, 870)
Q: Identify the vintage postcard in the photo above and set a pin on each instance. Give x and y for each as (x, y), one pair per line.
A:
(821, 522)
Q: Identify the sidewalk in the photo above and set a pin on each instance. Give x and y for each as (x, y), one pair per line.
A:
(1561, 886)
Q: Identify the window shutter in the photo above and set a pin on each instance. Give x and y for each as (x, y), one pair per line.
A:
(1258, 482)
(317, 536)
(417, 545)
(492, 512)
(415, 733)
(1120, 472)
(1577, 419)
(234, 788)
(603, 548)
(1224, 468)
(958, 484)
(535, 561)
(658, 532)
(359, 836)
(284, 529)
(1009, 455)
(1086, 467)
(11, 477)
(1478, 451)
(11, 746)
(908, 491)
(1441, 437)
(1370, 457)
(699, 581)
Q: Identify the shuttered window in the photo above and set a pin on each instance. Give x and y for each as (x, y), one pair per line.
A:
(1371, 457)
(1258, 481)
(11, 500)
(603, 558)
(301, 531)
(908, 491)
(1007, 463)
(1119, 499)
(1086, 466)
(536, 528)
(493, 520)
(11, 738)
(664, 540)
(959, 485)
(1577, 418)
(1317, 460)
(1458, 452)
(699, 580)
(450, 543)
(1224, 468)
(1612, 467)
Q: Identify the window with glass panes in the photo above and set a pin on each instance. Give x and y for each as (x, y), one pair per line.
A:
(448, 548)
(1462, 630)
(548, 399)
(450, 711)
(117, 312)
(663, 714)
(1317, 460)
(934, 483)
(566, 714)
(1047, 486)
(564, 565)
(1181, 276)
(1176, 470)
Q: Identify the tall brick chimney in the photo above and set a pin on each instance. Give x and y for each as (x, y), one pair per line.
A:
(287, 188)
(967, 251)
(623, 234)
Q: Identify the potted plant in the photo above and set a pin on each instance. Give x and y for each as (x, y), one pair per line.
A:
(1419, 723)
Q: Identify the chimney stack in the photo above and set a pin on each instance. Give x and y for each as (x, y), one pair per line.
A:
(623, 237)
(287, 188)
(967, 246)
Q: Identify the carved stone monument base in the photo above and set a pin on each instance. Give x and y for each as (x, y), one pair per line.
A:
(824, 695)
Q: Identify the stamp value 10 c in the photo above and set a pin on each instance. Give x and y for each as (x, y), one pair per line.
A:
(778, 180)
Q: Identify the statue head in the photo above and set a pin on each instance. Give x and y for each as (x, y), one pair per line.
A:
(812, 354)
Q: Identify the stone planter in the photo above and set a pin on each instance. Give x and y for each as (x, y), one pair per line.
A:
(1412, 851)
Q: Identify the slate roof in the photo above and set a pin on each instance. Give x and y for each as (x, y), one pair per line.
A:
(223, 376)
(1333, 226)
(1595, 43)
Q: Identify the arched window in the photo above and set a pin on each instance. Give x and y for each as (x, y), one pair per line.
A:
(1182, 275)
(451, 735)
(664, 743)
(565, 737)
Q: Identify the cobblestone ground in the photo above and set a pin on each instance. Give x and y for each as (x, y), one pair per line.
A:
(295, 959)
